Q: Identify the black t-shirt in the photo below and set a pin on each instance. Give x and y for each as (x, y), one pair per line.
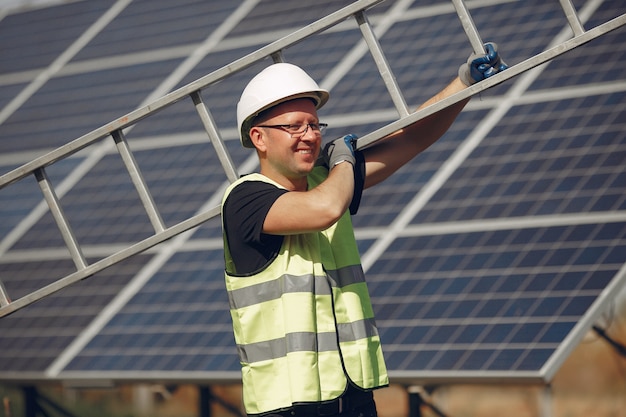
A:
(244, 213)
(245, 210)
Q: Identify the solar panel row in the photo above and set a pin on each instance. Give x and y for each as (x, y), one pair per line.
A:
(481, 264)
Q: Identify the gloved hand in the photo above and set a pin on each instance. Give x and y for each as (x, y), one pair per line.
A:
(478, 67)
(340, 150)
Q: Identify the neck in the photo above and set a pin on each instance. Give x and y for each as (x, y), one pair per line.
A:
(291, 184)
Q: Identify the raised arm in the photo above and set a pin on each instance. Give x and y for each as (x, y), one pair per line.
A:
(392, 152)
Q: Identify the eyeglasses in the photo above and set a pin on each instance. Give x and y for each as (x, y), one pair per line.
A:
(297, 131)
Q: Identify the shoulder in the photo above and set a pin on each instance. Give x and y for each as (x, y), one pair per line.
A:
(249, 183)
(250, 195)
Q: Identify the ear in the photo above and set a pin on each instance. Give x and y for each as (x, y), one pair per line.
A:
(258, 138)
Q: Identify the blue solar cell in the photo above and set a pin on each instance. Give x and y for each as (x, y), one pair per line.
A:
(614, 201)
(519, 307)
(488, 283)
(598, 279)
(503, 359)
(533, 359)
(521, 208)
(389, 334)
(540, 282)
(447, 359)
(415, 335)
(52, 118)
(468, 334)
(567, 282)
(435, 310)
(577, 306)
(462, 309)
(589, 255)
(556, 332)
(477, 359)
(25, 48)
(550, 306)
(419, 360)
(214, 362)
(497, 333)
(504, 259)
(491, 308)
(7, 92)
(166, 25)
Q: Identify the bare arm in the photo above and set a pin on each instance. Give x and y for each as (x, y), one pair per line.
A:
(391, 153)
(313, 210)
(319, 208)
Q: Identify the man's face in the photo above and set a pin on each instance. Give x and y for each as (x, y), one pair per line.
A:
(290, 154)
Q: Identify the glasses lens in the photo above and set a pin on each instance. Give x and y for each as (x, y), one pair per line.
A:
(298, 131)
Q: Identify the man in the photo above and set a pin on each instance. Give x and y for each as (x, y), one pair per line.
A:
(302, 316)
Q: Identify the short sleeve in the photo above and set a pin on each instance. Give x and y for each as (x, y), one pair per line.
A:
(244, 212)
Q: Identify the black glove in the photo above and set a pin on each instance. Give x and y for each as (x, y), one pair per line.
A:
(478, 67)
(340, 150)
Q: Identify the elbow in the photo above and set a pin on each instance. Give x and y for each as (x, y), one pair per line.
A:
(331, 215)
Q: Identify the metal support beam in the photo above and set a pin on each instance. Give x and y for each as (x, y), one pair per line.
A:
(214, 135)
(381, 62)
(5, 300)
(572, 17)
(469, 27)
(138, 180)
(59, 216)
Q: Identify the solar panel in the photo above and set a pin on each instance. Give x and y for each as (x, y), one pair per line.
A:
(488, 256)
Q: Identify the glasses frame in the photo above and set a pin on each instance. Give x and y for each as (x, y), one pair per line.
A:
(317, 128)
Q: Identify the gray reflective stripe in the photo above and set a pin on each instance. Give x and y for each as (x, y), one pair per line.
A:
(272, 290)
(306, 342)
(293, 342)
(357, 330)
(346, 276)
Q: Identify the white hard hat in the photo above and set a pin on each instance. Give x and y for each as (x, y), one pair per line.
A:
(275, 84)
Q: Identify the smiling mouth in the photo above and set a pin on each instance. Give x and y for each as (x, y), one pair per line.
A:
(307, 151)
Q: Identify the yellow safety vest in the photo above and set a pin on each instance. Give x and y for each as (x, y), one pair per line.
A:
(304, 319)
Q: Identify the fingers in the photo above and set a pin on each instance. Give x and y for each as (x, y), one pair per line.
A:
(340, 150)
(480, 67)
